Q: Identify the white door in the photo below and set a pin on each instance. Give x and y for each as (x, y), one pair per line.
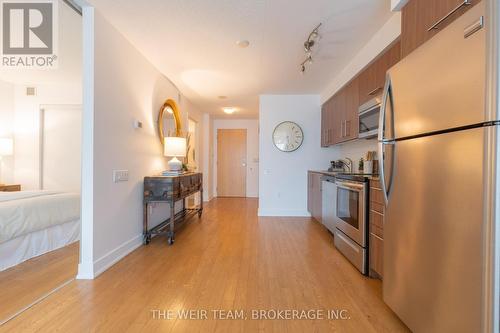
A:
(60, 147)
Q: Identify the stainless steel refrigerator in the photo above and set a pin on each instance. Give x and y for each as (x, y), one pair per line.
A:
(432, 134)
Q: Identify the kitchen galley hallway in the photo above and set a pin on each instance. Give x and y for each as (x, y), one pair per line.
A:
(229, 260)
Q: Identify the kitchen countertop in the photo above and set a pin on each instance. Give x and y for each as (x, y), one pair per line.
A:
(346, 174)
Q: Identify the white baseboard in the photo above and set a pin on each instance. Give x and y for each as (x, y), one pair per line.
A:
(115, 255)
(284, 212)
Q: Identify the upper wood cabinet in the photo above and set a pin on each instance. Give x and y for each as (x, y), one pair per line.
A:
(351, 116)
(372, 79)
(417, 16)
(339, 115)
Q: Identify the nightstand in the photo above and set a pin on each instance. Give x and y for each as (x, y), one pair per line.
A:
(10, 188)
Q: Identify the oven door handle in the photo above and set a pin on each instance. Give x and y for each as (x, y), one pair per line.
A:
(350, 187)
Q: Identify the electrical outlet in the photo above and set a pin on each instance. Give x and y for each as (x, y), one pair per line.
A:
(120, 176)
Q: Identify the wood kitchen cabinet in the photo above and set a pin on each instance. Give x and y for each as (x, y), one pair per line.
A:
(324, 126)
(372, 79)
(340, 114)
(376, 238)
(417, 16)
(314, 195)
(327, 130)
(351, 111)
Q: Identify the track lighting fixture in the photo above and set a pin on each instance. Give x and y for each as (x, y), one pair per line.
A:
(308, 46)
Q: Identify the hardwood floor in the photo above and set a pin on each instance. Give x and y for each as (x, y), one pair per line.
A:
(231, 260)
(25, 283)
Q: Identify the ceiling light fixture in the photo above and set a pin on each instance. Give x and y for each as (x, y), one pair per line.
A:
(243, 43)
(229, 110)
(312, 40)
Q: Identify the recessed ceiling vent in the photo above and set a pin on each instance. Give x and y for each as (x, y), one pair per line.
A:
(30, 91)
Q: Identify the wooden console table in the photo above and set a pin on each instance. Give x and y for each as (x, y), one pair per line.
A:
(170, 189)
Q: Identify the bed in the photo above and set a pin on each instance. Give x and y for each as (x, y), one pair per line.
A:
(36, 222)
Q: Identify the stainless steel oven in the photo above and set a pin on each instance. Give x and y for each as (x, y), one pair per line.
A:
(369, 118)
(351, 222)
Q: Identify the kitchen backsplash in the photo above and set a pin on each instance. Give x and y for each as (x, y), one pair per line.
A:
(355, 150)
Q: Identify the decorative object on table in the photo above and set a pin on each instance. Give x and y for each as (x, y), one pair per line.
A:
(169, 120)
(170, 190)
(6, 149)
(288, 136)
(368, 163)
(375, 167)
(190, 162)
(336, 166)
(361, 165)
(10, 188)
(175, 147)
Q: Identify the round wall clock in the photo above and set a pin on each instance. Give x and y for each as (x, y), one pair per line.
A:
(288, 136)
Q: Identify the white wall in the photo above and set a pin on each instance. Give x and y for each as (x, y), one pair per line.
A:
(127, 88)
(380, 41)
(7, 118)
(207, 152)
(27, 126)
(283, 176)
(252, 127)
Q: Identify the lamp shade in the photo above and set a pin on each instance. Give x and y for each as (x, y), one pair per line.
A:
(175, 147)
(6, 147)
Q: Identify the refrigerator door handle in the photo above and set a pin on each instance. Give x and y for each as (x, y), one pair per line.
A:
(386, 102)
(386, 187)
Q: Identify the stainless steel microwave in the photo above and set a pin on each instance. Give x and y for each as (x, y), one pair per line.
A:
(369, 117)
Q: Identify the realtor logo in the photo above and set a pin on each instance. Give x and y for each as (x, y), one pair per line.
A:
(29, 33)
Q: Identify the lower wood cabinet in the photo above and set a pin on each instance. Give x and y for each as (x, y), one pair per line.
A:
(376, 239)
(314, 195)
(376, 256)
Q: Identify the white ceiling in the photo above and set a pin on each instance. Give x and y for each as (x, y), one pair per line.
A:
(193, 42)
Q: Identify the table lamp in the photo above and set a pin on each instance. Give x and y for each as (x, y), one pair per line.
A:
(175, 147)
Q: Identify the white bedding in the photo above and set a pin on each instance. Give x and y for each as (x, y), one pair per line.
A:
(25, 212)
(20, 249)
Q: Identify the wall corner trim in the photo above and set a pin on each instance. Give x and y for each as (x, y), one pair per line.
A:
(85, 271)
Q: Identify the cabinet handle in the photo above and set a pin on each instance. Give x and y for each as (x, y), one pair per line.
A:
(453, 11)
(374, 91)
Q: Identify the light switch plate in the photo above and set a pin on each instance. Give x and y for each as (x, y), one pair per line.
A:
(120, 176)
(137, 124)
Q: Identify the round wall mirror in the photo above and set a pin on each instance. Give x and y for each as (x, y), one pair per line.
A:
(169, 120)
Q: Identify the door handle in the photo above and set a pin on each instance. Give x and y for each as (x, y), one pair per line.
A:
(374, 91)
(383, 184)
(453, 11)
(383, 110)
